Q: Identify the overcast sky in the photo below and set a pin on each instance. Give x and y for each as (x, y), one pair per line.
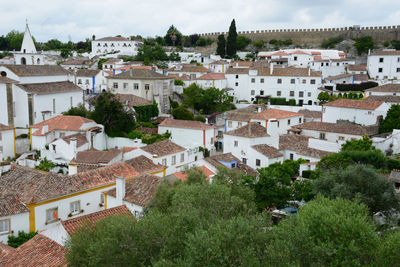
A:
(80, 19)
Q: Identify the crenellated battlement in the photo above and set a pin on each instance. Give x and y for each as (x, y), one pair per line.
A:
(299, 36)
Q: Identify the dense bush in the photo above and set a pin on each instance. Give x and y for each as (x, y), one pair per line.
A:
(22, 237)
(356, 87)
(146, 112)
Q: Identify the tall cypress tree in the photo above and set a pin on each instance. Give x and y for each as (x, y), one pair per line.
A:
(221, 48)
(231, 41)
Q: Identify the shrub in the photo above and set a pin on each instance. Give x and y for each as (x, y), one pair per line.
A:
(179, 82)
(22, 237)
(199, 118)
(356, 87)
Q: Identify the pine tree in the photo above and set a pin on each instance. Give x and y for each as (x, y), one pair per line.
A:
(231, 41)
(221, 48)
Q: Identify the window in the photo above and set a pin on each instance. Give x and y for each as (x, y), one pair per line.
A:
(304, 81)
(51, 215)
(326, 64)
(182, 157)
(337, 64)
(173, 160)
(75, 207)
(292, 81)
(253, 80)
(309, 94)
(291, 156)
(291, 93)
(369, 112)
(261, 92)
(229, 123)
(212, 140)
(236, 84)
(301, 94)
(262, 80)
(164, 162)
(125, 85)
(54, 105)
(147, 86)
(71, 102)
(279, 81)
(299, 120)
(341, 138)
(86, 81)
(79, 81)
(136, 86)
(279, 93)
(192, 76)
(252, 92)
(295, 58)
(220, 134)
(237, 76)
(102, 199)
(115, 85)
(380, 69)
(322, 136)
(312, 81)
(5, 226)
(398, 70)
(398, 59)
(258, 162)
(239, 124)
(381, 60)
(288, 122)
(235, 143)
(0, 136)
(244, 160)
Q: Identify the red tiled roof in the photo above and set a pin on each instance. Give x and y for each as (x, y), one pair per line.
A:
(228, 157)
(96, 156)
(140, 190)
(298, 52)
(183, 175)
(340, 127)
(357, 67)
(10, 205)
(198, 125)
(212, 76)
(386, 53)
(315, 53)
(252, 130)
(280, 53)
(38, 251)
(299, 144)
(357, 104)
(275, 114)
(268, 151)
(61, 122)
(7, 80)
(72, 225)
(389, 87)
(117, 38)
(162, 148)
(5, 127)
(317, 58)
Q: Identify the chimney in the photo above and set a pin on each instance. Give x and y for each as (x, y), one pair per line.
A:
(309, 71)
(272, 130)
(131, 72)
(271, 68)
(120, 189)
(72, 168)
(73, 144)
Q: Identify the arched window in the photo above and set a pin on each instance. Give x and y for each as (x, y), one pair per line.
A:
(3, 74)
(309, 102)
(38, 61)
(23, 61)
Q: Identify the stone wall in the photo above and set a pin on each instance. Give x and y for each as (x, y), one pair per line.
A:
(315, 36)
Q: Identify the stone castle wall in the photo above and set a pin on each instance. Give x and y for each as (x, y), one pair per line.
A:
(315, 36)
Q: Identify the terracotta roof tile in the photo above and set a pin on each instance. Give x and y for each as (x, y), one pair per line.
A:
(384, 98)
(357, 67)
(389, 87)
(217, 160)
(37, 70)
(50, 88)
(361, 77)
(212, 76)
(252, 130)
(38, 251)
(162, 148)
(5, 250)
(76, 61)
(386, 53)
(340, 76)
(140, 190)
(299, 144)
(72, 225)
(183, 175)
(133, 100)
(7, 80)
(10, 205)
(87, 73)
(61, 122)
(241, 64)
(198, 125)
(340, 127)
(219, 62)
(188, 68)
(311, 113)
(117, 38)
(147, 130)
(268, 151)
(5, 127)
(275, 114)
(80, 139)
(139, 74)
(357, 104)
(96, 156)
(287, 72)
(237, 71)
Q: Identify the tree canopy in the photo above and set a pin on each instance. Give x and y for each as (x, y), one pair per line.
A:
(391, 121)
(231, 42)
(221, 46)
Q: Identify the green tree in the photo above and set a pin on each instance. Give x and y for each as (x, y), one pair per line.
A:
(65, 53)
(109, 111)
(174, 57)
(390, 243)
(100, 63)
(323, 97)
(361, 182)
(182, 113)
(150, 54)
(22, 237)
(80, 110)
(325, 233)
(14, 40)
(364, 144)
(363, 44)
(53, 44)
(258, 44)
(221, 46)
(173, 36)
(242, 42)
(45, 165)
(231, 40)
(391, 121)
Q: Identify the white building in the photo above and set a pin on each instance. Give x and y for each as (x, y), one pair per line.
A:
(218, 66)
(239, 141)
(134, 194)
(191, 70)
(14, 216)
(28, 54)
(147, 84)
(359, 111)
(91, 81)
(189, 134)
(389, 89)
(53, 197)
(118, 45)
(300, 84)
(384, 65)
(262, 155)
(285, 119)
(208, 80)
(47, 131)
(7, 142)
